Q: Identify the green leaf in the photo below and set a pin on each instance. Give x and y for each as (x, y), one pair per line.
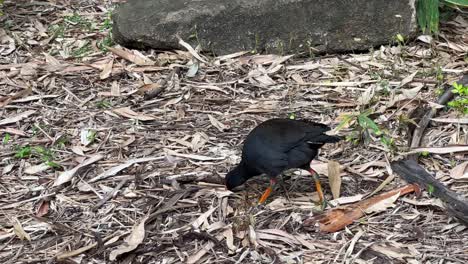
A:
(424, 153)
(387, 141)
(366, 122)
(346, 120)
(460, 3)
(428, 16)
(434, 16)
(53, 164)
(23, 152)
(6, 138)
(421, 14)
(400, 38)
(430, 189)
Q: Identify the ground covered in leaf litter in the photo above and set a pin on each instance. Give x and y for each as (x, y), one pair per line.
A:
(103, 146)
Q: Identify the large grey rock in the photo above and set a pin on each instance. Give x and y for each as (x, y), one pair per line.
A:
(278, 26)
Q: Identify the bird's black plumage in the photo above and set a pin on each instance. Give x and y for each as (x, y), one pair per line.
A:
(277, 145)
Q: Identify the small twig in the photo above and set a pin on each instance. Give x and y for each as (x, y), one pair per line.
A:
(72, 94)
(403, 106)
(43, 132)
(104, 141)
(110, 195)
(424, 81)
(351, 63)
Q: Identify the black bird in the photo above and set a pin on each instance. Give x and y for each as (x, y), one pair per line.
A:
(277, 145)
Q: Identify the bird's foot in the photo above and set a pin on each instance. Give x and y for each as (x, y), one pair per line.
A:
(267, 192)
(318, 186)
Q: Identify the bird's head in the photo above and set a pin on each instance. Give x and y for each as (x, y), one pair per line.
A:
(235, 178)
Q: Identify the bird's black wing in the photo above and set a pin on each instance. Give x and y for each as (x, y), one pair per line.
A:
(279, 144)
(288, 134)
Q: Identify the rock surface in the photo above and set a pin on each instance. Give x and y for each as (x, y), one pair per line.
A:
(273, 26)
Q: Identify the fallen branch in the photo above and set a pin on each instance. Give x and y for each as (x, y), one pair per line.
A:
(340, 217)
(424, 121)
(412, 172)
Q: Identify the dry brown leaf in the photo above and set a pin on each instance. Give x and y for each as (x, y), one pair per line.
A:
(339, 217)
(19, 231)
(230, 56)
(322, 167)
(199, 139)
(405, 95)
(77, 150)
(51, 60)
(346, 200)
(268, 59)
(392, 252)
(75, 252)
(107, 70)
(8, 99)
(34, 98)
(66, 176)
(341, 84)
(41, 29)
(43, 208)
(203, 217)
(383, 184)
(131, 242)
(29, 71)
(460, 171)
(197, 256)
(425, 38)
(334, 176)
(220, 126)
(13, 131)
(277, 204)
(150, 88)
(441, 150)
(367, 96)
(228, 234)
(132, 56)
(115, 89)
(114, 170)
(408, 79)
(350, 249)
(264, 80)
(451, 120)
(306, 66)
(382, 205)
(8, 168)
(455, 46)
(174, 101)
(191, 156)
(252, 236)
(5, 39)
(16, 118)
(276, 235)
(297, 78)
(36, 168)
(129, 113)
(191, 50)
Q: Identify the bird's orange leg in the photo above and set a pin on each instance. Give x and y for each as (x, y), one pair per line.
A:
(267, 192)
(318, 186)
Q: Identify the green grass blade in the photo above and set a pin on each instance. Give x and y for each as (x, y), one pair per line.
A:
(459, 3)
